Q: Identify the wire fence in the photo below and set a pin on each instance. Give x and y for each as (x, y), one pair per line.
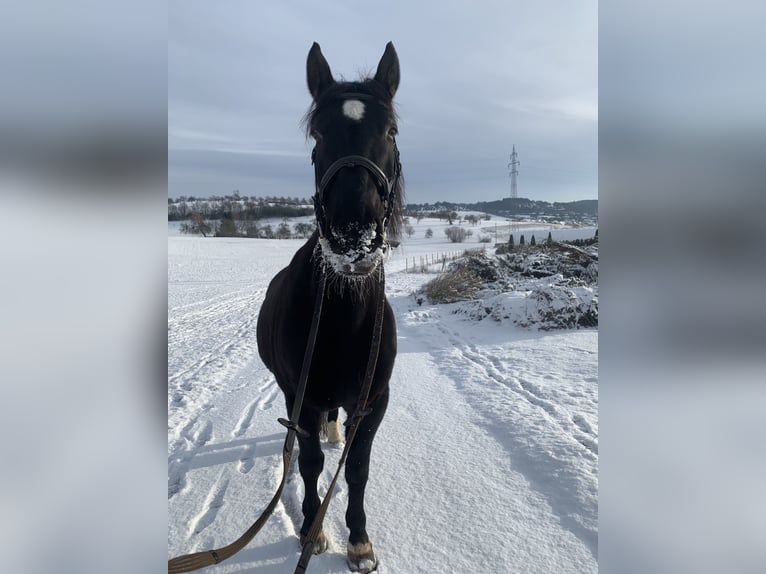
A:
(437, 262)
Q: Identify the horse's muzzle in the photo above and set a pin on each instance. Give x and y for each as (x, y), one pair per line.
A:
(362, 268)
(352, 258)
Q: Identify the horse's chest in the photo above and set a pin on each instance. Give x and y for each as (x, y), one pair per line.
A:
(343, 354)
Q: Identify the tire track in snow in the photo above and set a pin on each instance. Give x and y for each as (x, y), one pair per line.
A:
(177, 466)
(226, 330)
(292, 496)
(245, 419)
(587, 436)
(269, 392)
(530, 391)
(196, 433)
(232, 350)
(194, 384)
(542, 439)
(213, 503)
(206, 307)
(203, 435)
(489, 365)
(247, 460)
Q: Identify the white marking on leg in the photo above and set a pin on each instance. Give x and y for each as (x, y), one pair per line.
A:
(353, 109)
(334, 435)
(361, 558)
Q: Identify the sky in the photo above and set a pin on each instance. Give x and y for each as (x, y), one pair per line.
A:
(476, 78)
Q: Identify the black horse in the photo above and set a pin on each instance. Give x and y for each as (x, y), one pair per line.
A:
(358, 205)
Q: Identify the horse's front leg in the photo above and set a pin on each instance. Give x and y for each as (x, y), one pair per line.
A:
(310, 464)
(361, 557)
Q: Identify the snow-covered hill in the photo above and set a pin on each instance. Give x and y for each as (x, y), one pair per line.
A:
(487, 459)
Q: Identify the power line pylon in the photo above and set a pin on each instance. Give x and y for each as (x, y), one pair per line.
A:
(514, 167)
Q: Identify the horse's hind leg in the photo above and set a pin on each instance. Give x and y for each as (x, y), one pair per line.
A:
(334, 436)
(361, 557)
(310, 464)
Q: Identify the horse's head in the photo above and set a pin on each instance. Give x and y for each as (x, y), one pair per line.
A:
(358, 200)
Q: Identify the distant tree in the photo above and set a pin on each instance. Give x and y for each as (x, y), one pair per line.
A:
(429, 233)
(472, 219)
(267, 232)
(419, 216)
(455, 234)
(532, 241)
(549, 241)
(596, 236)
(510, 242)
(227, 228)
(250, 229)
(303, 229)
(521, 240)
(409, 230)
(283, 231)
(199, 225)
(173, 214)
(450, 216)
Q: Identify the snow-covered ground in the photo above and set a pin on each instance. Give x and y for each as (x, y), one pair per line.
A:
(487, 459)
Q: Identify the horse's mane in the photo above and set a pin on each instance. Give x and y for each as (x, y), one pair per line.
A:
(375, 90)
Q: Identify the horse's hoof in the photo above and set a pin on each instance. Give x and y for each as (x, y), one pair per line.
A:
(320, 545)
(361, 558)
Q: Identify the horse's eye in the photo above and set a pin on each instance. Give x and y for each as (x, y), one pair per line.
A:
(315, 134)
(392, 132)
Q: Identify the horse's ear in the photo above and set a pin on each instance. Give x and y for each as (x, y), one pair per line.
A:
(318, 72)
(388, 70)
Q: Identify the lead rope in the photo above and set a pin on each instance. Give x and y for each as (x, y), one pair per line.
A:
(353, 423)
(198, 560)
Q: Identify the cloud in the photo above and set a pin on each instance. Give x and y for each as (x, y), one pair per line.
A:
(476, 78)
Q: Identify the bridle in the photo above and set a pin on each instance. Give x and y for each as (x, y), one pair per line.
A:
(386, 187)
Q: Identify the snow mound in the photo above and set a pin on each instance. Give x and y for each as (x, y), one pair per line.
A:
(552, 287)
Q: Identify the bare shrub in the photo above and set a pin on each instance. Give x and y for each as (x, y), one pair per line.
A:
(453, 286)
(455, 234)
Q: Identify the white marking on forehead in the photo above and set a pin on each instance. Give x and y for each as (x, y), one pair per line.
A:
(353, 109)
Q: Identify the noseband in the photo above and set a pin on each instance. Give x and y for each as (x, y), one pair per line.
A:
(386, 187)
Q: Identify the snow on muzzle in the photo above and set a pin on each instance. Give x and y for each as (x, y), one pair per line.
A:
(355, 250)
